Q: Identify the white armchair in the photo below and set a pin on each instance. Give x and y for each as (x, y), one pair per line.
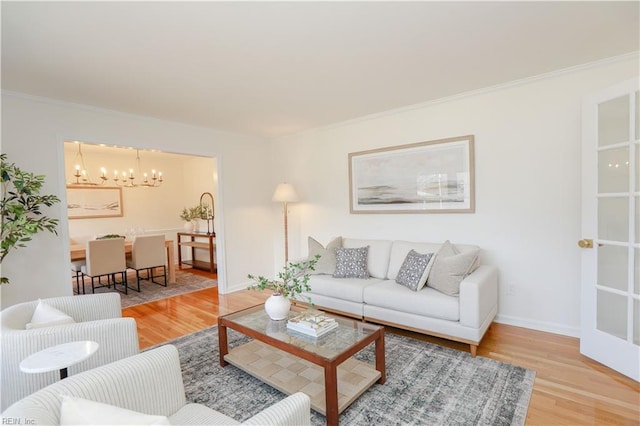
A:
(149, 383)
(97, 317)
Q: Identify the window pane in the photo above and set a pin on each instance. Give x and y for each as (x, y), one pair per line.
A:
(612, 314)
(613, 219)
(613, 121)
(637, 222)
(613, 170)
(636, 278)
(613, 267)
(637, 115)
(637, 168)
(636, 322)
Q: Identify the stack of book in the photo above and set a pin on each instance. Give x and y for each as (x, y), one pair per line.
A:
(312, 324)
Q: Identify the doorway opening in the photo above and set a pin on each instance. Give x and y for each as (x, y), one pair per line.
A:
(149, 190)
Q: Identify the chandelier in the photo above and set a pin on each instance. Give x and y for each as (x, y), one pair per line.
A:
(124, 179)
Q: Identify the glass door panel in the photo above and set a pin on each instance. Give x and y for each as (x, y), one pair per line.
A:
(613, 121)
(612, 267)
(613, 170)
(613, 219)
(612, 314)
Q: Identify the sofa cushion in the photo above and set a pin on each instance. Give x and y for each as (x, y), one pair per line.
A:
(345, 289)
(450, 268)
(414, 270)
(379, 251)
(399, 251)
(327, 262)
(80, 411)
(351, 263)
(426, 302)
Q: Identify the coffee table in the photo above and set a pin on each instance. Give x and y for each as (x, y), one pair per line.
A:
(322, 368)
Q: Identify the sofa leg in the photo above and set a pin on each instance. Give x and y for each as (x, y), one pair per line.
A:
(474, 350)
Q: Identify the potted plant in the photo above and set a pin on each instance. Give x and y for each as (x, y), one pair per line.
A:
(188, 219)
(192, 214)
(20, 207)
(292, 281)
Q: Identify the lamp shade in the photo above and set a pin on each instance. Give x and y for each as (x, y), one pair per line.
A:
(285, 193)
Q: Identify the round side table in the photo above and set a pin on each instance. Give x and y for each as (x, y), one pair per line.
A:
(59, 357)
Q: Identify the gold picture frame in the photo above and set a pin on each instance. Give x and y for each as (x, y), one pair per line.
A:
(85, 202)
(426, 177)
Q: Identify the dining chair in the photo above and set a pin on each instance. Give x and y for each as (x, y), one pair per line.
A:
(148, 253)
(106, 258)
(76, 265)
(76, 268)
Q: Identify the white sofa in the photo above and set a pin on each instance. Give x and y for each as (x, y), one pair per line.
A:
(149, 383)
(464, 317)
(97, 317)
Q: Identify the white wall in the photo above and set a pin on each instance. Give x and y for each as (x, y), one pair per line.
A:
(33, 131)
(527, 164)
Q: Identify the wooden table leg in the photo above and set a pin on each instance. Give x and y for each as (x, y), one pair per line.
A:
(171, 263)
(380, 361)
(223, 345)
(331, 394)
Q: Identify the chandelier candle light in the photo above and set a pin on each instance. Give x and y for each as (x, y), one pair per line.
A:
(125, 180)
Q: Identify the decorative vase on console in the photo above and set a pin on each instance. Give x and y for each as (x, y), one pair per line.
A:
(188, 226)
(292, 281)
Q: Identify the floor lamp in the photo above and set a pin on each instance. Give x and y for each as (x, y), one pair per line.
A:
(285, 193)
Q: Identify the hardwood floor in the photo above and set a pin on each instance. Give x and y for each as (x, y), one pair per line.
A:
(569, 389)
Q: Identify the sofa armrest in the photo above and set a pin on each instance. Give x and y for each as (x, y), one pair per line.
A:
(478, 296)
(291, 411)
(150, 383)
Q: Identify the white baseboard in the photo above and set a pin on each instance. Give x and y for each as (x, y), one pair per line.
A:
(548, 327)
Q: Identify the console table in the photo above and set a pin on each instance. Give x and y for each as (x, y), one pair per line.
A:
(197, 240)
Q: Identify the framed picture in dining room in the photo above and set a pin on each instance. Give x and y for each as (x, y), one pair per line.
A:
(426, 177)
(85, 202)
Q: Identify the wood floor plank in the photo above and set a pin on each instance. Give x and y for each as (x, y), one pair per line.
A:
(570, 389)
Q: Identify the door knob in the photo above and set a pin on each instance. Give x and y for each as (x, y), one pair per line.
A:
(585, 243)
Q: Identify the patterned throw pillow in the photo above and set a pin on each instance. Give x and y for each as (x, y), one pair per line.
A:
(327, 262)
(352, 263)
(414, 270)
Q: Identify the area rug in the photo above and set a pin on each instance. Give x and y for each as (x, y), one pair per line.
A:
(185, 283)
(427, 384)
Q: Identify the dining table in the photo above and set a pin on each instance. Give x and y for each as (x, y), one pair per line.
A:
(79, 252)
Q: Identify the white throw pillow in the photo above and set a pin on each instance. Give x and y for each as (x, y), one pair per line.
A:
(327, 262)
(47, 316)
(79, 411)
(451, 267)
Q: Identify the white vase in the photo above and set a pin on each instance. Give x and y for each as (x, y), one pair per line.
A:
(277, 307)
(188, 226)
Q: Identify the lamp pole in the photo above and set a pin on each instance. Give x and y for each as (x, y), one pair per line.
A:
(285, 193)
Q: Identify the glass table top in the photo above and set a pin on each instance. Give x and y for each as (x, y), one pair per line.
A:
(348, 333)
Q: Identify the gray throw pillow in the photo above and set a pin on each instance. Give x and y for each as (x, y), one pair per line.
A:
(450, 268)
(327, 262)
(352, 263)
(414, 270)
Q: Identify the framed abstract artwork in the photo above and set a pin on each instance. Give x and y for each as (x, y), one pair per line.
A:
(93, 202)
(426, 177)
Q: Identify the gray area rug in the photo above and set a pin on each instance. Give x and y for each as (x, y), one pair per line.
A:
(185, 283)
(427, 384)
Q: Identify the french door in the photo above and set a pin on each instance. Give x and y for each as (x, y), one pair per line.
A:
(610, 296)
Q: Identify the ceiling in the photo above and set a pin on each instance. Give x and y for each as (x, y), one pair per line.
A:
(276, 68)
